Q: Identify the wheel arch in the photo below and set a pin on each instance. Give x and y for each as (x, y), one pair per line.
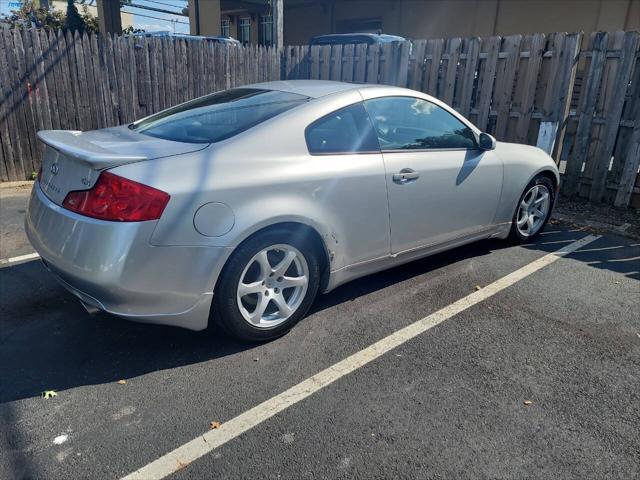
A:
(296, 227)
(551, 175)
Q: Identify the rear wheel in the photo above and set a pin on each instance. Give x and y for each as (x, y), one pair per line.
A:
(533, 209)
(267, 286)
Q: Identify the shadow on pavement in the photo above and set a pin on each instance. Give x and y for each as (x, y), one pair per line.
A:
(610, 252)
(48, 341)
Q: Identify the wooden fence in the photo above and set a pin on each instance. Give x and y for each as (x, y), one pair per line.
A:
(577, 98)
(51, 80)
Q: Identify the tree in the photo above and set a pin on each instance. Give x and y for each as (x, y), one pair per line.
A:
(28, 15)
(74, 20)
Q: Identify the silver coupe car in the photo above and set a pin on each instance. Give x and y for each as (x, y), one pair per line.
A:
(239, 206)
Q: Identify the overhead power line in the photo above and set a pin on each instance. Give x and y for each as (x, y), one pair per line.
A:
(156, 18)
(154, 9)
(169, 4)
(91, 2)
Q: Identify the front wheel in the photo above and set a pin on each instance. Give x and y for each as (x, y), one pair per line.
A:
(267, 286)
(533, 210)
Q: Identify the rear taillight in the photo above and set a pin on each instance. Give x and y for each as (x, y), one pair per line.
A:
(117, 199)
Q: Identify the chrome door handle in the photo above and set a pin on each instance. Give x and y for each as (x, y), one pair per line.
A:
(405, 175)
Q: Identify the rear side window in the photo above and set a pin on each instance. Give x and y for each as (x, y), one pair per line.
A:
(218, 116)
(348, 130)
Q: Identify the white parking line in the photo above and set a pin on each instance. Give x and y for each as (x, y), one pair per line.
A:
(21, 258)
(203, 444)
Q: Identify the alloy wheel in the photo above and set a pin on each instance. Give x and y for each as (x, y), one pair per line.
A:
(272, 285)
(533, 210)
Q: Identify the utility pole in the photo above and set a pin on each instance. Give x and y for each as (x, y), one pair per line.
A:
(277, 15)
(109, 16)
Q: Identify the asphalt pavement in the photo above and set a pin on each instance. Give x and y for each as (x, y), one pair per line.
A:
(541, 380)
(13, 205)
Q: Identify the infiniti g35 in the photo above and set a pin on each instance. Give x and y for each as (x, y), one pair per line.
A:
(240, 206)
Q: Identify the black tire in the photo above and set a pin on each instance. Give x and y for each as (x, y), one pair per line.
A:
(515, 235)
(225, 309)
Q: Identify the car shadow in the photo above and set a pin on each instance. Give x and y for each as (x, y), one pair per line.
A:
(48, 341)
(610, 252)
(471, 160)
(386, 278)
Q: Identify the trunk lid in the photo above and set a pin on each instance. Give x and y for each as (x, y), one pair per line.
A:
(73, 160)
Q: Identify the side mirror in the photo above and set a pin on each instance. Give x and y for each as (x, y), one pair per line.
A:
(486, 142)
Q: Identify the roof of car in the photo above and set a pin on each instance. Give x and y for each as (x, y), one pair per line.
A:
(309, 88)
(345, 38)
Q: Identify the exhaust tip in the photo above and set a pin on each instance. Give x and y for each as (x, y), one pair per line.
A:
(91, 309)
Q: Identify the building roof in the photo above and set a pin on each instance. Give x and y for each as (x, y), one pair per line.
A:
(309, 88)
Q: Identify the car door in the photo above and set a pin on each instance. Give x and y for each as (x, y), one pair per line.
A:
(347, 181)
(441, 187)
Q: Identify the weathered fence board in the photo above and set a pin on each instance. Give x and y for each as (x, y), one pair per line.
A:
(72, 81)
(491, 47)
(468, 74)
(578, 99)
(615, 105)
(587, 107)
(11, 151)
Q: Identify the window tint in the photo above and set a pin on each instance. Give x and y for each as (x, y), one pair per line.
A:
(219, 116)
(406, 123)
(347, 130)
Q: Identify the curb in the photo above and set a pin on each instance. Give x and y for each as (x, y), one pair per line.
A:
(595, 227)
(22, 183)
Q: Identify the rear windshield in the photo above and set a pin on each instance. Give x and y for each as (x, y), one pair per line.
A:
(218, 116)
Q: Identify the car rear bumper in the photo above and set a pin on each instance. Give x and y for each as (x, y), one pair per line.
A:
(112, 266)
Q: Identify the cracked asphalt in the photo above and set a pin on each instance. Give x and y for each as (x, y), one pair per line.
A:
(449, 403)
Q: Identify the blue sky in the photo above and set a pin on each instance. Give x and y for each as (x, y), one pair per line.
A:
(161, 21)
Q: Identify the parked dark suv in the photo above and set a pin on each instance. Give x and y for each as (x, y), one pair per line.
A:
(353, 38)
(215, 39)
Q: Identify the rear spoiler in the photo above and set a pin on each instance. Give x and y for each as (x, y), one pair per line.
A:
(71, 144)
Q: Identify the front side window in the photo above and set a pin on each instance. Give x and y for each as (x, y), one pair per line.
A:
(347, 130)
(407, 123)
(218, 116)
(244, 30)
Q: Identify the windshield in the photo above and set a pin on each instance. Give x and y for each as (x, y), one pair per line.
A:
(218, 116)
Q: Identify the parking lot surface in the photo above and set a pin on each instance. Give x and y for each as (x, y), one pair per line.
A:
(13, 205)
(540, 380)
